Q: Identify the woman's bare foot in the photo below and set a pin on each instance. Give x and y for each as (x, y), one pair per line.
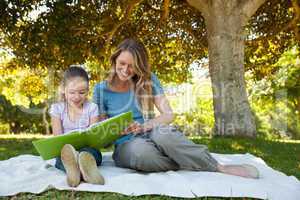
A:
(245, 170)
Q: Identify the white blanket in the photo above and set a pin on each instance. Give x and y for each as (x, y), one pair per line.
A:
(27, 173)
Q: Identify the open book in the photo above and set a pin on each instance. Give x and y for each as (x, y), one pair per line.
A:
(97, 136)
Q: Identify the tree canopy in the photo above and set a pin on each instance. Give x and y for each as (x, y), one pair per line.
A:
(54, 34)
(46, 36)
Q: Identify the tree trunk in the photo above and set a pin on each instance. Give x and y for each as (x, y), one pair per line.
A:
(226, 67)
(298, 107)
(45, 121)
(225, 22)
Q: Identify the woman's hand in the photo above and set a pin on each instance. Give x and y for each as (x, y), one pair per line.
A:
(134, 128)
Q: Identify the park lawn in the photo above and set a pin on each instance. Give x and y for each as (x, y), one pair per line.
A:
(281, 155)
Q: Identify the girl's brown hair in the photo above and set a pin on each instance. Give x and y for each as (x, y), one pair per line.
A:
(74, 71)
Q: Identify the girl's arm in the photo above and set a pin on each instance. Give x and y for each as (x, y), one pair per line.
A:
(56, 126)
(102, 117)
(94, 120)
(98, 119)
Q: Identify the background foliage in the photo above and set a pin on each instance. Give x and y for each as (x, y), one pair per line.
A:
(40, 38)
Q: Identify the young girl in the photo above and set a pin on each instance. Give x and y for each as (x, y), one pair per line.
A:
(75, 112)
(150, 144)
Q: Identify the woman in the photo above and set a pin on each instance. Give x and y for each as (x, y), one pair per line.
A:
(149, 144)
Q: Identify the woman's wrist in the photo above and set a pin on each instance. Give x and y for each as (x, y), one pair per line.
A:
(160, 120)
(147, 126)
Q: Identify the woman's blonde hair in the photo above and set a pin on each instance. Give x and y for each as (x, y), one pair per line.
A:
(142, 78)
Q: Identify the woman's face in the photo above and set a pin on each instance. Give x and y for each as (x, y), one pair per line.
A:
(124, 66)
(76, 92)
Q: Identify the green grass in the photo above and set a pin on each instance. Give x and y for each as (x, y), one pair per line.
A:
(280, 155)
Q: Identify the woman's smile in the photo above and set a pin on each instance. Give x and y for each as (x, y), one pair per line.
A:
(124, 66)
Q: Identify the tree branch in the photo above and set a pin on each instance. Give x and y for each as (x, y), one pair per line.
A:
(249, 8)
(127, 14)
(190, 31)
(164, 15)
(166, 10)
(201, 5)
(294, 23)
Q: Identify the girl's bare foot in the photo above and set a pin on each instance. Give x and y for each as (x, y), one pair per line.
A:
(89, 169)
(69, 157)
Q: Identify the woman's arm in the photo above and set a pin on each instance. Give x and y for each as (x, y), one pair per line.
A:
(166, 113)
(56, 126)
(166, 116)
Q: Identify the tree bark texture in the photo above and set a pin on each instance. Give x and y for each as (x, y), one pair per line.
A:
(225, 20)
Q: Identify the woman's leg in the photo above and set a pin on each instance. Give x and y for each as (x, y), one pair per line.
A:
(245, 170)
(184, 152)
(191, 156)
(142, 154)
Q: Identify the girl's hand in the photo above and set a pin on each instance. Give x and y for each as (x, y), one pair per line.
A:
(134, 128)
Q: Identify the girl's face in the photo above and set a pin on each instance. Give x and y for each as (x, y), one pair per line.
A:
(124, 66)
(76, 91)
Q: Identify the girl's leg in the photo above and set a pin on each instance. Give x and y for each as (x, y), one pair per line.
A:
(84, 163)
(69, 159)
(89, 159)
(59, 165)
(95, 153)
